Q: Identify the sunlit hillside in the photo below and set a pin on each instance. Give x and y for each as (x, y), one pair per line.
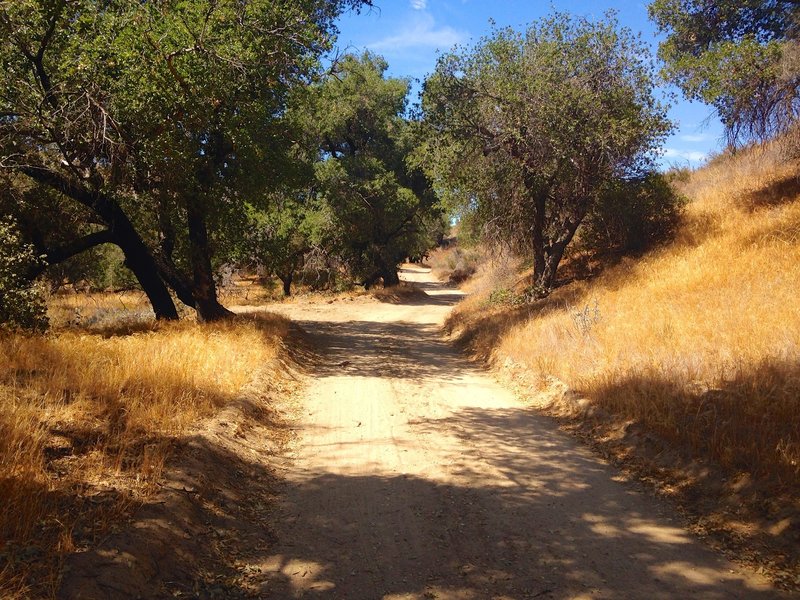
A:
(699, 341)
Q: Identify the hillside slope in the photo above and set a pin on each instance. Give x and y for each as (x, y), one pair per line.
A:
(685, 362)
(102, 422)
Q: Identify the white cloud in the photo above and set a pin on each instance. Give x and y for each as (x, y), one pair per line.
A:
(419, 4)
(695, 137)
(690, 155)
(421, 32)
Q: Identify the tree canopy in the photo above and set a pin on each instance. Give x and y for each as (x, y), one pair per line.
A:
(740, 56)
(528, 131)
(194, 133)
(20, 304)
(155, 119)
(382, 209)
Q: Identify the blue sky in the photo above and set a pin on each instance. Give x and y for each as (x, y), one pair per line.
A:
(411, 33)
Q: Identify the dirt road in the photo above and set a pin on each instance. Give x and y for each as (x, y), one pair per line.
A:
(417, 476)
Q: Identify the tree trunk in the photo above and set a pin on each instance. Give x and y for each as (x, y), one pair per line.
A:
(143, 267)
(204, 289)
(540, 274)
(175, 279)
(59, 254)
(546, 263)
(139, 260)
(54, 256)
(387, 272)
(371, 280)
(390, 277)
(544, 274)
(137, 256)
(541, 281)
(286, 279)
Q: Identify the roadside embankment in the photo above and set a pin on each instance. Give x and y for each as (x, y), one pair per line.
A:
(682, 363)
(95, 423)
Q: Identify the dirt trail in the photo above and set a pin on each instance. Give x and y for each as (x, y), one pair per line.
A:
(416, 475)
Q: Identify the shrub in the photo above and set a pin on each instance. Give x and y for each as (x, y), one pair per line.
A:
(633, 215)
(462, 263)
(506, 297)
(21, 303)
(97, 269)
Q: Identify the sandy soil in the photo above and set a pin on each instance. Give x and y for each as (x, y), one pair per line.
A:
(416, 475)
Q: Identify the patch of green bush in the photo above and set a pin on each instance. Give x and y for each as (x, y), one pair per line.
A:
(633, 215)
(97, 269)
(21, 303)
(506, 297)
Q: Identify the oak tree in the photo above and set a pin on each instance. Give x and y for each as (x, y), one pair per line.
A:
(382, 209)
(740, 56)
(158, 118)
(528, 131)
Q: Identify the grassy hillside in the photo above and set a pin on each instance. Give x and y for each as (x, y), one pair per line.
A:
(697, 342)
(88, 417)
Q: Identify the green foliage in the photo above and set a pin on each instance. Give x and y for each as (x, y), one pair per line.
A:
(379, 209)
(97, 269)
(279, 238)
(211, 108)
(21, 304)
(740, 56)
(463, 262)
(632, 215)
(505, 297)
(526, 133)
(167, 115)
(48, 221)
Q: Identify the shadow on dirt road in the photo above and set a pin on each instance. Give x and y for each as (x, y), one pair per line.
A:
(416, 476)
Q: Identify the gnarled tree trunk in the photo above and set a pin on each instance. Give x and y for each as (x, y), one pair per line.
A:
(138, 257)
(204, 289)
(548, 251)
(286, 279)
(390, 277)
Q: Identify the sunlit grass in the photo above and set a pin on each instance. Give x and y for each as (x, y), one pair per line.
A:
(95, 410)
(699, 341)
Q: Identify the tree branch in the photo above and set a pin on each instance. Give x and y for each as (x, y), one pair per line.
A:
(54, 256)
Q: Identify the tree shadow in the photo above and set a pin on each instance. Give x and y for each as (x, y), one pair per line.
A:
(364, 349)
(189, 538)
(744, 432)
(32, 549)
(548, 523)
(775, 193)
(516, 511)
(421, 294)
(481, 332)
(511, 509)
(760, 435)
(440, 297)
(521, 514)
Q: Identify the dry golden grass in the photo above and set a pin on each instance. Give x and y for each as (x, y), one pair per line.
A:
(87, 418)
(250, 291)
(68, 308)
(93, 309)
(699, 341)
(454, 263)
